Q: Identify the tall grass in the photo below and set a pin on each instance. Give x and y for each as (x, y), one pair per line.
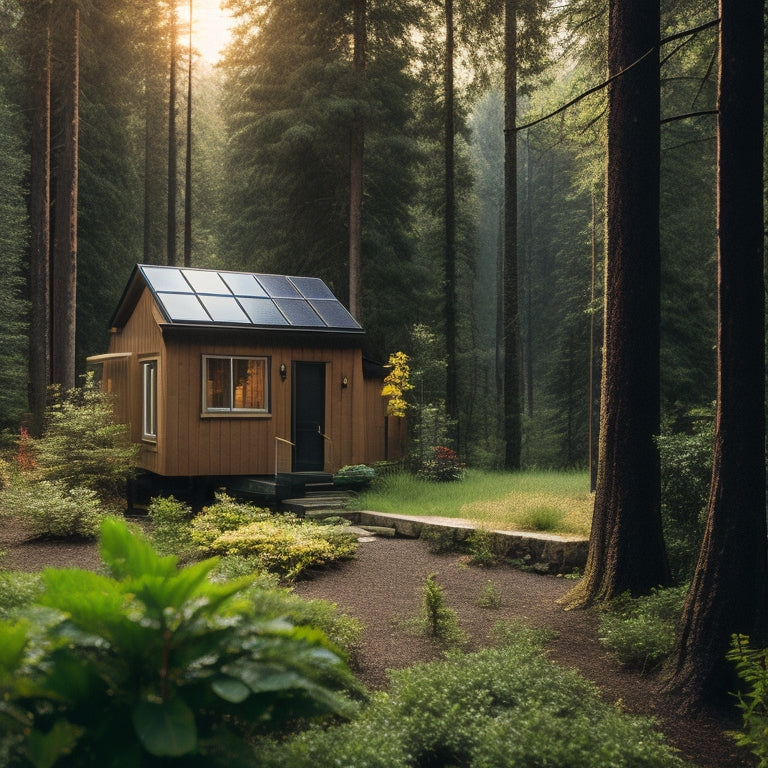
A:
(559, 502)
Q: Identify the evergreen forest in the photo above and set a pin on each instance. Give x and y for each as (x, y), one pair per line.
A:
(260, 179)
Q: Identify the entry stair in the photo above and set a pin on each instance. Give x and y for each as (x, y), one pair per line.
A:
(297, 492)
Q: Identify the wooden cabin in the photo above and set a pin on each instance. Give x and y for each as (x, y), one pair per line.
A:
(235, 374)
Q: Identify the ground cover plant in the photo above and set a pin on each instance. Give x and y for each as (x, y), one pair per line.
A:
(558, 502)
(640, 632)
(152, 663)
(502, 707)
(281, 544)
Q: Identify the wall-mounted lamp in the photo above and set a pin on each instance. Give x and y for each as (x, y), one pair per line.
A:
(283, 371)
(344, 382)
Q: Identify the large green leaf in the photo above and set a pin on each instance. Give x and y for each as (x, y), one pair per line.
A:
(166, 728)
(44, 749)
(230, 689)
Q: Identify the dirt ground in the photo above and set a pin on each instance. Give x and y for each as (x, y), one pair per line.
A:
(383, 586)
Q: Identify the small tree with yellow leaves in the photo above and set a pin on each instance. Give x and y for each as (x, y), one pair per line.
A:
(396, 384)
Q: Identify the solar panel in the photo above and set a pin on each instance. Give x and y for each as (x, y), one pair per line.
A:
(299, 312)
(183, 306)
(224, 309)
(213, 297)
(203, 281)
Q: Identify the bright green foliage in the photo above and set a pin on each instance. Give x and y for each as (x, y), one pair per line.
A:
(481, 548)
(50, 508)
(171, 532)
(506, 707)
(225, 515)
(543, 518)
(154, 662)
(489, 596)
(752, 668)
(640, 632)
(17, 590)
(82, 446)
(285, 545)
(396, 383)
(439, 620)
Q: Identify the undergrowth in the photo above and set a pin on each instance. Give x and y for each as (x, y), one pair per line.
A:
(502, 707)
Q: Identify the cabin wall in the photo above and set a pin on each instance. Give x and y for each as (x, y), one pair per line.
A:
(141, 337)
(384, 435)
(192, 443)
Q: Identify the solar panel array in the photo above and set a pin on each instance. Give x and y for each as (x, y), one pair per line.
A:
(215, 297)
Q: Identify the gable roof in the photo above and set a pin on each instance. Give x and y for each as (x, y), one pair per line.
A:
(224, 299)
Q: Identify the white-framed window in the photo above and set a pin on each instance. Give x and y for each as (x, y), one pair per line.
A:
(237, 385)
(149, 400)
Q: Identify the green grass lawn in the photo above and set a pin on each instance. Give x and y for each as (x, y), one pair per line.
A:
(558, 502)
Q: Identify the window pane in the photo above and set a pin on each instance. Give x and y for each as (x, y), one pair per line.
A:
(250, 380)
(217, 384)
(149, 404)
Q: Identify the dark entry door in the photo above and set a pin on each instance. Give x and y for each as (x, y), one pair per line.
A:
(308, 416)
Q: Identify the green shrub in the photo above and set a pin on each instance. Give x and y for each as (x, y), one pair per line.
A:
(438, 620)
(17, 590)
(442, 466)
(640, 632)
(752, 668)
(441, 539)
(156, 662)
(480, 544)
(542, 518)
(171, 533)
(51, 508)
(82, 446)
(286, 546)
(686, 471)
(226, 514)
(505, 707)
(355, 475)
(489, 596)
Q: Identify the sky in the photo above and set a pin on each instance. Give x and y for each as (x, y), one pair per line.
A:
(211, 27)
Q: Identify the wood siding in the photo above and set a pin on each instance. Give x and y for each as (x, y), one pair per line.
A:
(191, 443)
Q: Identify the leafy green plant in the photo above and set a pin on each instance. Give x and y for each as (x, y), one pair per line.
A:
(543, 518)
(438, 620)
(489, 596)
(480, 544)
(17, 590)
(752, 669)
(354, 475)
(686, 470)
(51, 508)
(81, 445)
(170, 531)
(640, 632)
(440, 539)
(153, 663)
(287, 546)
(442, 466)
(227, 514)
(503, 707)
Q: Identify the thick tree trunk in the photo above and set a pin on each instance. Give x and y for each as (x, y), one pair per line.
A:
(512, 393)
(64, 263)
(451, 394)
(39, 212)
(626, 550)
(730, 586)
(357, 146)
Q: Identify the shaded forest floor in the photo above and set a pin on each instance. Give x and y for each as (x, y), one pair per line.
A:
(383, 588)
